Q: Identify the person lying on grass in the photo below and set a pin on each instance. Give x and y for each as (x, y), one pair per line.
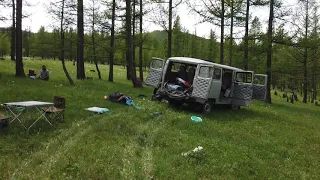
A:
(44, 73)
(119, 97)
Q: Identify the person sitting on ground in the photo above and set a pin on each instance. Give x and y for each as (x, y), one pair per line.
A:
(44, 73)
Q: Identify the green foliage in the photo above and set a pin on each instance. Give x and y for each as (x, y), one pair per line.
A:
(4, 44)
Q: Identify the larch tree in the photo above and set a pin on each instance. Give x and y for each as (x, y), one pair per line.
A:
(112, 38)
(13, 33)
(163, 17)
(80, 49)
(141, 13)
(269, 51)
(94, 18)
(129, 45)
(19, 63)
(212, 12)
(62, 11)
(250, 3)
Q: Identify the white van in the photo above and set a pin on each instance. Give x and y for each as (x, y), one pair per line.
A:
(193, 81)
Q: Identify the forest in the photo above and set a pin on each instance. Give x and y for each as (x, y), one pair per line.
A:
(111, 32)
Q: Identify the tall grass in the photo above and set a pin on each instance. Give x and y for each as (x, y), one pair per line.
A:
(278, 141)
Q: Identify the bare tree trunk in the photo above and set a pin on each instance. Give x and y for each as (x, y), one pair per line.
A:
(305, 56)
(62, 45)
(93, 41)
(269, 52)
(231, 34)
(141, 43)
(19, 63)
(129, 53)
(222, 34)
(170, 29)
(134, 35)
(246, 39)
(112, 41)
(13, 32)
(80, 53)
(314, 87)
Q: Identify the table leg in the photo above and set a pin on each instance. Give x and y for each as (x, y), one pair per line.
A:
(42, 114)
(16, 116)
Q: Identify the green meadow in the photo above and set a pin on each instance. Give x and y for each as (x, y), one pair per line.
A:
(262, 141)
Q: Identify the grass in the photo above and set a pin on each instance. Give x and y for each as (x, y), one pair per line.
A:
(278, 141)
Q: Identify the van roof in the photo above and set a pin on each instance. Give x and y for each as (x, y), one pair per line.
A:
(199, 61)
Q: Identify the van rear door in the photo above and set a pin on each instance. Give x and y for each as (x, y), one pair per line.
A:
(242, 88)
(259, 86)
(155, 72)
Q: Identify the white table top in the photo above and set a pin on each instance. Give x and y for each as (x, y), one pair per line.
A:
(28, 103)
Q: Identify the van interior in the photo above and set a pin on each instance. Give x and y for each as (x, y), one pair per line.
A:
(179, 76)
(226, 83)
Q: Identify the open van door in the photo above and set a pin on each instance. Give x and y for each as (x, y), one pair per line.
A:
(242, 88)
(155, 72)
(202, 81)
(259, 86)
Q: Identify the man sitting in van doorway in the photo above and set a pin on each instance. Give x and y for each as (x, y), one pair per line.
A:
(182, 73)
(226, 84)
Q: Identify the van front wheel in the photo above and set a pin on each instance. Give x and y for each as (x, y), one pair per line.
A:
(235, 107)
(207, 107)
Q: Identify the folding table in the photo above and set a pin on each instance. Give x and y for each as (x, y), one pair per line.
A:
(27, 104)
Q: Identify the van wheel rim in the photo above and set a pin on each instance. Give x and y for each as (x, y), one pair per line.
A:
(207, 107)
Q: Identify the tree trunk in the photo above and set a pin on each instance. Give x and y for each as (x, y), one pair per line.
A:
(314, 87)
(62, 46)
(246, 39)
(13, 32)
(231, 34)
(269, 52)
(93, 41)
(305, 56)
(222, 34)
(170, 29)
(80, 53)
(112, 42)
(134, 35)
(141, 43)
(19, 63)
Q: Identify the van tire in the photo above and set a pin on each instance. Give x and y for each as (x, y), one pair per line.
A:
(234, 107)
(207, 107)
(175, 103)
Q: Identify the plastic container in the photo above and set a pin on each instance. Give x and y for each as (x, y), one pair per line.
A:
(196, 119)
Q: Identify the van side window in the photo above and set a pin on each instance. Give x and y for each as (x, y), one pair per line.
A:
(205, 72)
(217, 74)
(156, 64)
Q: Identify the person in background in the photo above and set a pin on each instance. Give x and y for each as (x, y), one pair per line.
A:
(44, 73)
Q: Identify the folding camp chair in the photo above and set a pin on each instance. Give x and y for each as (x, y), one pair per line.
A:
(31, 73)
(57, 110)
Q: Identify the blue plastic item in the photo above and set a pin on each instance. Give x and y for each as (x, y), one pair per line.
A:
(196, 119)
